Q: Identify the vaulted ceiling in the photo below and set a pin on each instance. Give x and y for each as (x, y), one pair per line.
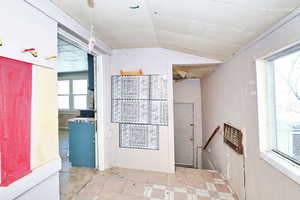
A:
(209, 28)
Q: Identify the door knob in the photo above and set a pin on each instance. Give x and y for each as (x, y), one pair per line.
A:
(191, 124)
(192, 139)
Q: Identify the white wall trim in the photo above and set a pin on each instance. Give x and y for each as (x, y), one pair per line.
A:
(55, 13)
(100, 114)
(29, 181)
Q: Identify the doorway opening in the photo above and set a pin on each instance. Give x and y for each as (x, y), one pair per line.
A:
(76, 103)
(188, 113)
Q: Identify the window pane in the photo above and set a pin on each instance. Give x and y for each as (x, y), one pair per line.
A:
(63, 102)
(63, 87)
(80, 102)
(287, 104)
(80, 87)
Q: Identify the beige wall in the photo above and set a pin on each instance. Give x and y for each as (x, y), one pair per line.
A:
(44, 138)
(229, 95)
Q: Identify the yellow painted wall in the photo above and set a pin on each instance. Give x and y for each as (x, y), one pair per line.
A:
(44, 133)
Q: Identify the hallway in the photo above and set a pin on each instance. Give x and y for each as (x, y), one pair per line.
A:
(150, 100)
(128, 184)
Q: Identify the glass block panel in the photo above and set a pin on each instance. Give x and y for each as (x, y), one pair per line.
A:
(139, 136)
(130, 111)
(116, 85)
(140, 99)
(159, 113)
(144, 87)
(159, 87)
(116, 111)
(130, 87)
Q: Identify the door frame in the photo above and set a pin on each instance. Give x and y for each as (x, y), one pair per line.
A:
(193, 133)
(77, 42)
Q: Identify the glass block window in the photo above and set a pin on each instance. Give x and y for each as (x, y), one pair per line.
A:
(159, 87)
(159, 113)
(130, 87)
(130, 111)
(116, 87)
(139, 104)
(63, 94)
(139, 136)
(140, 99)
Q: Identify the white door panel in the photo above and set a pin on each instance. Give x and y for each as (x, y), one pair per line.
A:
(184, 133)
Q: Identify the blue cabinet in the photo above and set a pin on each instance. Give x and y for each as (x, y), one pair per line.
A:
(82, 142)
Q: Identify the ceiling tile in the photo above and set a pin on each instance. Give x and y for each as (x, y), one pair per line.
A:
(214, 28)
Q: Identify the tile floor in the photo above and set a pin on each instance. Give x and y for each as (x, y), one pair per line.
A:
(128, 184)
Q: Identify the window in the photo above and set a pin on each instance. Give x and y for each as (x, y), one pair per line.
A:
(284, 101)
(80, 94)
(64, 94)
(72, 94)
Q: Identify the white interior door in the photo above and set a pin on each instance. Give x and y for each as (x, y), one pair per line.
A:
(184, 133)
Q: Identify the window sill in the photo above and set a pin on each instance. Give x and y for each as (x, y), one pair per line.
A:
(282, 164)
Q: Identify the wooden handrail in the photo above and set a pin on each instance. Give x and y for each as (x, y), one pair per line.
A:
(211, 137)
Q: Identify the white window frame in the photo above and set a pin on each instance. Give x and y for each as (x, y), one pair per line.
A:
(65, 95)
(71, 94)
(266, 115)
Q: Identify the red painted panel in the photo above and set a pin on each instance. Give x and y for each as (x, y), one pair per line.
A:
(15, 119)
